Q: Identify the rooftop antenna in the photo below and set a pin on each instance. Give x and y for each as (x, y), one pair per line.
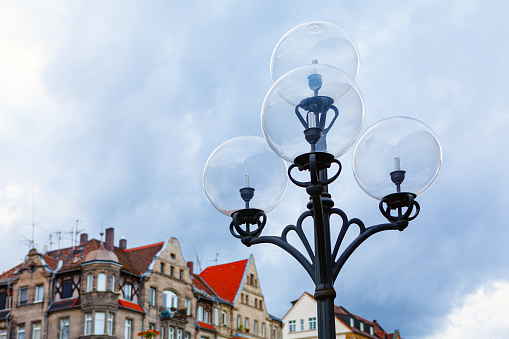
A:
(50, 240)
(33, 217)
(197, 261)
(215, 260)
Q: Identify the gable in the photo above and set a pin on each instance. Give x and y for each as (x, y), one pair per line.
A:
(226, 279)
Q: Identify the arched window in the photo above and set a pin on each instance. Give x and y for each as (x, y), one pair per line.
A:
(170, 299)
(90, 282)
(112, 283)
(101, 282)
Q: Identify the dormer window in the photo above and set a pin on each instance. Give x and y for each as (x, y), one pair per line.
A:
(361, 327)
(352, 322)
(128, 290)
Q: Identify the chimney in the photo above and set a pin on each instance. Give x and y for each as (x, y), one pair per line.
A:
(108, 243)
(190, 265)
(122, 244)
(83, 238)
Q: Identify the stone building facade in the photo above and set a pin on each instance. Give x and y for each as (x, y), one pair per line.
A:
(98, 290)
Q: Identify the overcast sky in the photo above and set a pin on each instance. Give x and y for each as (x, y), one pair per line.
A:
(110, 109)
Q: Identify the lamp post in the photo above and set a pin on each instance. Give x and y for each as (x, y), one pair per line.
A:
(312, 115)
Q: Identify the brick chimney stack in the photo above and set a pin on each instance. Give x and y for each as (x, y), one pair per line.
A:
(83, 238)
(110, 235)
(190, 265)
(122, 244)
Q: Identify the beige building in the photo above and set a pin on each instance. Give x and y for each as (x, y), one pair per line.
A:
(300, 323)
(98, 290)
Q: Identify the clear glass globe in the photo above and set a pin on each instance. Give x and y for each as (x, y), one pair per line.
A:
(245, 161)
(317, 40)
(284, 130)
(397, 143)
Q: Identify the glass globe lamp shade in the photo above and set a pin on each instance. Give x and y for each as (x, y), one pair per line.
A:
(397, 144)
(245, 161)
(282, 127)
(317, 40)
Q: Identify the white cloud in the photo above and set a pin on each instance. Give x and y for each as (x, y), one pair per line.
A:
(483, 312)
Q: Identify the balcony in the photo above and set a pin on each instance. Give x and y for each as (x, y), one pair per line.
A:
(178, 315)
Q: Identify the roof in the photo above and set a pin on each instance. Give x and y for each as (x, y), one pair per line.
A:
(64, 304)
(135, 260)
(225, 279)
(130, 305)
(206, 326)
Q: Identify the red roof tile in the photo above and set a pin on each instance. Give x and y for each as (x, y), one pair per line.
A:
(206, 326)
(63, 304)
(130, 305)
(225, 279)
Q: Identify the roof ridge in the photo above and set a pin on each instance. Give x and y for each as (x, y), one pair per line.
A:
(142, 247)
(226, 264)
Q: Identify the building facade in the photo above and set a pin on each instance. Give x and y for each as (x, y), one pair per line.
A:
(98, 290)
(300, 322)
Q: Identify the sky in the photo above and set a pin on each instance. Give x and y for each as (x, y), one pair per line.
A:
(110, 109)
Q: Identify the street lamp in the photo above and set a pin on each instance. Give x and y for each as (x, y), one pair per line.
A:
(312, 115)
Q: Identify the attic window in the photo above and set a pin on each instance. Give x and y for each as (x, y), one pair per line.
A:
(352, 322)
(172, 255)
(361, 327)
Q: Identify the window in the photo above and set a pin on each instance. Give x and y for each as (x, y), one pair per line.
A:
(179, 334)
(188, 306)
(163, 332)
(151, 327)
(247, 299)
(361, 326)
(88, 324)
(152, 298)
(181, 274)
(291, 326)
(67, 289)
(36, 331)
(238, 322)
(23, 296)
(64, 328)
(255, 327)
(127, 329)
(3, 299)
(39, 293)
(302, 324)
(170, 333)
(216, 316)
(101, 282)
(171, 271)
(206, 317)
(3, 334)
(110, 323)
(112, 283)
(99, 323)
(263, 330)
(90, 283)
(200, 313)
(246, 323)
(352, 322)
(261, 304)
(186, 335)
(162, 267)
(170, 299)
(224, 318)
(21, 332)
(128, 290)
(275, 333)
(371, 330)
(312, 323)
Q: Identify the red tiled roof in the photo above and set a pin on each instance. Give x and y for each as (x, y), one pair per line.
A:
(10, 273)
(52, 262)
(206, 326)
(63, 304)
(138, 259)
(130, 305)
(200, 284)
(225, 279)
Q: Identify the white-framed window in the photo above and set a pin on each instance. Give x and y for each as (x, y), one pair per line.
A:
(224, 318)
(361, 326)
(263, 330)
(275, 333)
(371, 330)
(352, 322)
(151, 327)
(246, 323)
(302, 324)
(312, 323)
(99, 323)
(128, 292)
(88, 324)
(238, 322)
(127, 328)
(64, 328)
(188, 306)
(152, 297)
(170, 299)
(23, 296)
(101, 282)
(255, 327)
(110, 324)
(39, 293)
(216, 316)
(200, 313)
(186, 335)
(36, 331)
(206, 317)
(179, 333)
(163, 332)
(90, 283)
(291, 326)
(112, 283)
(3, 334)
(171, 333)
(21, 332)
